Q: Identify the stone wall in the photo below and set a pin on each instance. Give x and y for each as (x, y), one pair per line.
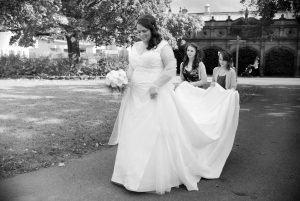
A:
(283, 34)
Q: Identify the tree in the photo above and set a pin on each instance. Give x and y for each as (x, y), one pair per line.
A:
(267, 8)
(177, 26)
(117, 23)
(182, 25)
(100, 21)
(29, 19)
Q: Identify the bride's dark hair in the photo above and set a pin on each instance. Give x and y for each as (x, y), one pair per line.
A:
(149, 22)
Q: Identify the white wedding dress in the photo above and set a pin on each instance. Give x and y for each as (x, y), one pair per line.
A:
(176, 138)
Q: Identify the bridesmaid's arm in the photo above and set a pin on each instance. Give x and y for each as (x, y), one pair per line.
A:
(181, 75)
(213, 81)
(233, 82)
(203, 76)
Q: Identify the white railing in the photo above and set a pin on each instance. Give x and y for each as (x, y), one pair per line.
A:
(23, 52)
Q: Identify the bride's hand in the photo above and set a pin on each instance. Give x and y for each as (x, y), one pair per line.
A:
(153, 92)
(212, 84)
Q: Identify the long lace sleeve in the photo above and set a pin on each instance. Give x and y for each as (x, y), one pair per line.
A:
(130, 68)
(169, 71)
(129, 72)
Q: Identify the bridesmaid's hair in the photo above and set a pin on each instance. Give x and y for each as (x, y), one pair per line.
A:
(149, 22)
(227, 57)
(198, 56)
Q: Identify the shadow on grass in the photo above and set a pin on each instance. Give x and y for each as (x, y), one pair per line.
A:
(42, 126)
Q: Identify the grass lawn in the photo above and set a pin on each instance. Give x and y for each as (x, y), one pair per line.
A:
(44, 123)
(47, 122)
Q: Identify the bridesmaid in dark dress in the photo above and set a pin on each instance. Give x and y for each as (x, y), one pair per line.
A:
(192, 69)
(224, 74)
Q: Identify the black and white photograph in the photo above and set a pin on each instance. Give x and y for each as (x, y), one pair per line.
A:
(152, 100)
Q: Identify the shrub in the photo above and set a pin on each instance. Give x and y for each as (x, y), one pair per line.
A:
(279, 62)
(15, 66)
(11, 66)
(110, 63)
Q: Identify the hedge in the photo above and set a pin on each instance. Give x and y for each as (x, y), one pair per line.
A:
(279, 62)
(13, 66)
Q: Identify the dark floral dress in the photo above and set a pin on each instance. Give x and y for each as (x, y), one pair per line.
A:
(190, 76)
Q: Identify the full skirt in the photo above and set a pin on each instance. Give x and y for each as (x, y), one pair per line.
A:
(174, 139)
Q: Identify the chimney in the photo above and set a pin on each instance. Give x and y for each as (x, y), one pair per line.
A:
(207, 8)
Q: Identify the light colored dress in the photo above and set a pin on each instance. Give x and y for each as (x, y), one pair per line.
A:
(176, 138)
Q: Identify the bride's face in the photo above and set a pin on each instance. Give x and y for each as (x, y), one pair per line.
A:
(143, 33)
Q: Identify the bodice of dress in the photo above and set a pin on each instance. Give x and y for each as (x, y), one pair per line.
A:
(146, 65)
(190, 76)
(221, 80)
(151, 68)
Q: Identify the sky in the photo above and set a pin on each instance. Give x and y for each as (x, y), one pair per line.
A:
(195, 6)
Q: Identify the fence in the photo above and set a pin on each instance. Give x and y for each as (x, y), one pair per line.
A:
(23, 52)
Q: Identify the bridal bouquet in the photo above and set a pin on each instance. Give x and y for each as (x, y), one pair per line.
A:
(116, 80)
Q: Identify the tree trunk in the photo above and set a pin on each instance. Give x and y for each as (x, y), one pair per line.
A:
(73, 51)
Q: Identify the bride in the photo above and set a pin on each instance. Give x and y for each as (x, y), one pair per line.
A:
(168, 138)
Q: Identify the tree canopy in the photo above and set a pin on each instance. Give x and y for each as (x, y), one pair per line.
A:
(268, 8)
(101, 21)
(96, 20)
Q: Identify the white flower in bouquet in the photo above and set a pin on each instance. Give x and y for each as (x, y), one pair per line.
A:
(116, 80)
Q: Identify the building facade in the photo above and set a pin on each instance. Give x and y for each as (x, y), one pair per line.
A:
(277, 46)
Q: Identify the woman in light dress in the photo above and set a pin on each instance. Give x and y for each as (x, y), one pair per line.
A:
(224, 74)
(168, 138)
(192, 69)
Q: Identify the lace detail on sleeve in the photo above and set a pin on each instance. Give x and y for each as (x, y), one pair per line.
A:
(169, 63)
(161, 45)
